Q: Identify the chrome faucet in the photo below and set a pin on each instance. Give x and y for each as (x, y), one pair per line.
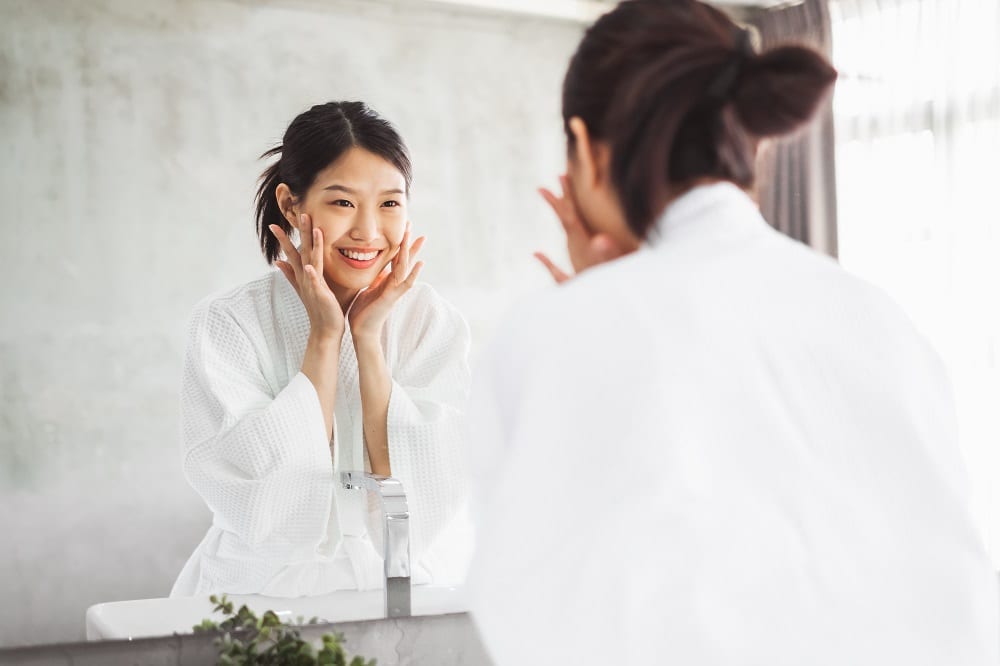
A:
(395, 537)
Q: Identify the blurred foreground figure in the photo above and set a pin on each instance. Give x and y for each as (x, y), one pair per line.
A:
(713, 446)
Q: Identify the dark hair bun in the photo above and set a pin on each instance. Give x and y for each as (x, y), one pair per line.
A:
(781, 89)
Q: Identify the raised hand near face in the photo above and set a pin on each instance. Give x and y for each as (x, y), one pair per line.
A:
(304, 269)
(372, 306)
(586, 249)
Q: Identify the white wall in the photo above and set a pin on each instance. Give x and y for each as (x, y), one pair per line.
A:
(129, 132)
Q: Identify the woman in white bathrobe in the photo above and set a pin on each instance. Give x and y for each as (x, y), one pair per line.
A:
(713, 446)
(341, 361)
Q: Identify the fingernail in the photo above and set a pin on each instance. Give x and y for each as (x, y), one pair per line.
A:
(302, 218)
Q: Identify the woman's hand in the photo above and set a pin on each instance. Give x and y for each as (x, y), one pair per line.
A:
(586, 249)
(372, 306)
(305, 271)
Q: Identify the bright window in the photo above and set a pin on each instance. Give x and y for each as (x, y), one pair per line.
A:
(917, 115)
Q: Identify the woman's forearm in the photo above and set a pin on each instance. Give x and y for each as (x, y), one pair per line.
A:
(321, 364)
(376, 386)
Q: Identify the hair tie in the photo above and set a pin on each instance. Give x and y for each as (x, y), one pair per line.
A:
(722, 87)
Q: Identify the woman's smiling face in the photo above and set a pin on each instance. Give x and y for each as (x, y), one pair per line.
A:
(359, 203)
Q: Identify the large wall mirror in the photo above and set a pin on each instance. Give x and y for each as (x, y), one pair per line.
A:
(131, 136)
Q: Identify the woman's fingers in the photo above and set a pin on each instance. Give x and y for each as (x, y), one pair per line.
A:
(287, 247)
(306, 236)
(567, 189)
(313, 276)
(312, 242)
(380, 280)
(401, 265)
(392, 257)
(316, 255)
(412, 278)
(564, 185)
(417, 244)
(557, 207)
(404, 272)
(558, 274)
(569, 203)
(288, 272)
(565, 210)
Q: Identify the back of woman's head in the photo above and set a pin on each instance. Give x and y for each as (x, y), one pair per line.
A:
(677, 92)
(313, 141)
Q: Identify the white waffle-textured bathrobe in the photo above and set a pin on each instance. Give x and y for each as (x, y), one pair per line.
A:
(722, 450)
(256, 450)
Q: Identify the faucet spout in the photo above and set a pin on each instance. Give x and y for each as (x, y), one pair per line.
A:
(395, 537)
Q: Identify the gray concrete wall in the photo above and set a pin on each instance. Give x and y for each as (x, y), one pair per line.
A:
(129, 132)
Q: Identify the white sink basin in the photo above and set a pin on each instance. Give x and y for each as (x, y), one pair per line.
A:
(143, 618)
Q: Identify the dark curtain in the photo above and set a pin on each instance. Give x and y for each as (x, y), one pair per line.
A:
(796, 183)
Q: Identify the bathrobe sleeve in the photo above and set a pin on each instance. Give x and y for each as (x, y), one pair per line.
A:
(430, 384)
(259, 459)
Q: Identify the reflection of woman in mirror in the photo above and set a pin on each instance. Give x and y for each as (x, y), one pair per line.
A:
(340, 361)
(749, 456)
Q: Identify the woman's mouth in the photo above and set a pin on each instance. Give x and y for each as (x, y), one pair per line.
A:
(363, 258)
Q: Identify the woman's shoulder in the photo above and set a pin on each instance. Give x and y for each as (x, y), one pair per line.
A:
(422, 315)
(243, 302)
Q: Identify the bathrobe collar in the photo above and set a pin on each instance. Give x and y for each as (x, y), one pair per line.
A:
(718, 208)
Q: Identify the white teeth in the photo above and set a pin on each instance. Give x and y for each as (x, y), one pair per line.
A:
(359, 256)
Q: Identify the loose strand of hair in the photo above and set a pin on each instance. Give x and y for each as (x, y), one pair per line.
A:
(267, 210)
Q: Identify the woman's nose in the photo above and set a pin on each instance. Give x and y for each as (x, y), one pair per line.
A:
(365, 226)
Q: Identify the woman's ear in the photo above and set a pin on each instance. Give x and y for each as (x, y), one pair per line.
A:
(593, 158)
(287, 204)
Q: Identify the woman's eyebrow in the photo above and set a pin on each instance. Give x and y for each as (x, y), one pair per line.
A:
(343, 188)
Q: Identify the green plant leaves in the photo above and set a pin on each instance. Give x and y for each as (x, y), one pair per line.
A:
(266, 641)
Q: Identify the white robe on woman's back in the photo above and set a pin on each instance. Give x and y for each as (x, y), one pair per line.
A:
(722, 449)
(255, 445)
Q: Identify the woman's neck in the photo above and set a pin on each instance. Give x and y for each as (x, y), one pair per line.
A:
(344, 295)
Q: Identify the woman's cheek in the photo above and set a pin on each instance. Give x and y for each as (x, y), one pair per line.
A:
(327, 222)
(396, 239)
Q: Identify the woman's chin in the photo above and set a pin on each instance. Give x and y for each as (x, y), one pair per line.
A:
(353, 279)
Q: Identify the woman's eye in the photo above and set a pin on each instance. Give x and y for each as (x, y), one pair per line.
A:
(391, 204)
(343, 202)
